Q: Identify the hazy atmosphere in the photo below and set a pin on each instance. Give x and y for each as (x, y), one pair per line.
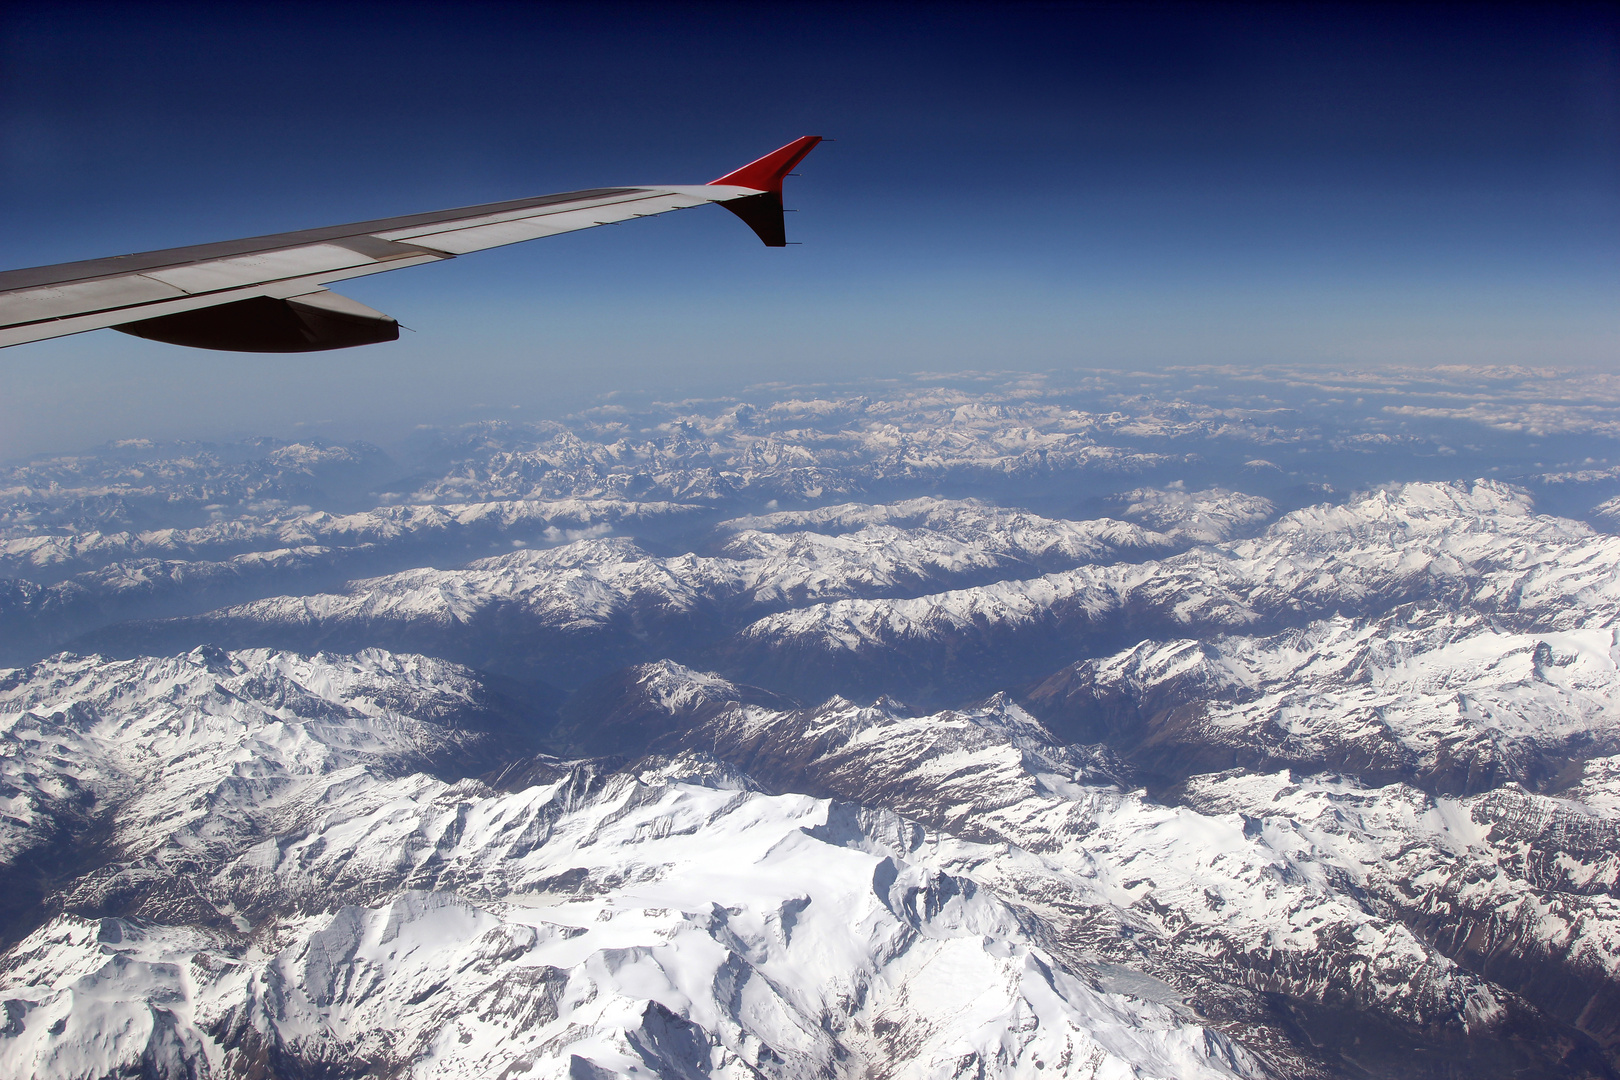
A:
(1023, 186)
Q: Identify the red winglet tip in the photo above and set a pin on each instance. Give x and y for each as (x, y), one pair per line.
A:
(766, 173)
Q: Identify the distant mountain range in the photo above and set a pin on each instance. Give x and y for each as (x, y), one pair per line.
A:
(933, 734)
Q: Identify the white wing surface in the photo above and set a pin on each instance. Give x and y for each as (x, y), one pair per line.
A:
(268, 293)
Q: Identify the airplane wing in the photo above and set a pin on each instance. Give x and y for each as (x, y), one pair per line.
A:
(268, 293)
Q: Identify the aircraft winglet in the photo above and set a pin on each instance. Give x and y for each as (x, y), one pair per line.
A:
(763, 212)
(766, 173)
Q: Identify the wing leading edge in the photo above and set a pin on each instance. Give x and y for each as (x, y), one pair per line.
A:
(268, 293)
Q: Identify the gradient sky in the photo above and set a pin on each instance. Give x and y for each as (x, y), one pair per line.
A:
(1011, 187)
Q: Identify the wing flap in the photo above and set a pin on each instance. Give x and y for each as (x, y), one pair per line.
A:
(40, 330)
(55, 301)
(217, 274)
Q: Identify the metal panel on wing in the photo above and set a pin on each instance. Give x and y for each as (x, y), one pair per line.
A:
(97, 294)
(217, 274)
(461, 241)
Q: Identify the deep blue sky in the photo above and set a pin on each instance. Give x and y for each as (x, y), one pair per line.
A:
(1011, 187)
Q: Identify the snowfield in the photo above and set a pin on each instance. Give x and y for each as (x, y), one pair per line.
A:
(992, 726)
(653, 919)
(961, 888)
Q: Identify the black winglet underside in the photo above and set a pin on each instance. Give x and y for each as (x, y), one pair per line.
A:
(763, 213)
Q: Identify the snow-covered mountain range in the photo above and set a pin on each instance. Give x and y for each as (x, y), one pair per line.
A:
(992, 733)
